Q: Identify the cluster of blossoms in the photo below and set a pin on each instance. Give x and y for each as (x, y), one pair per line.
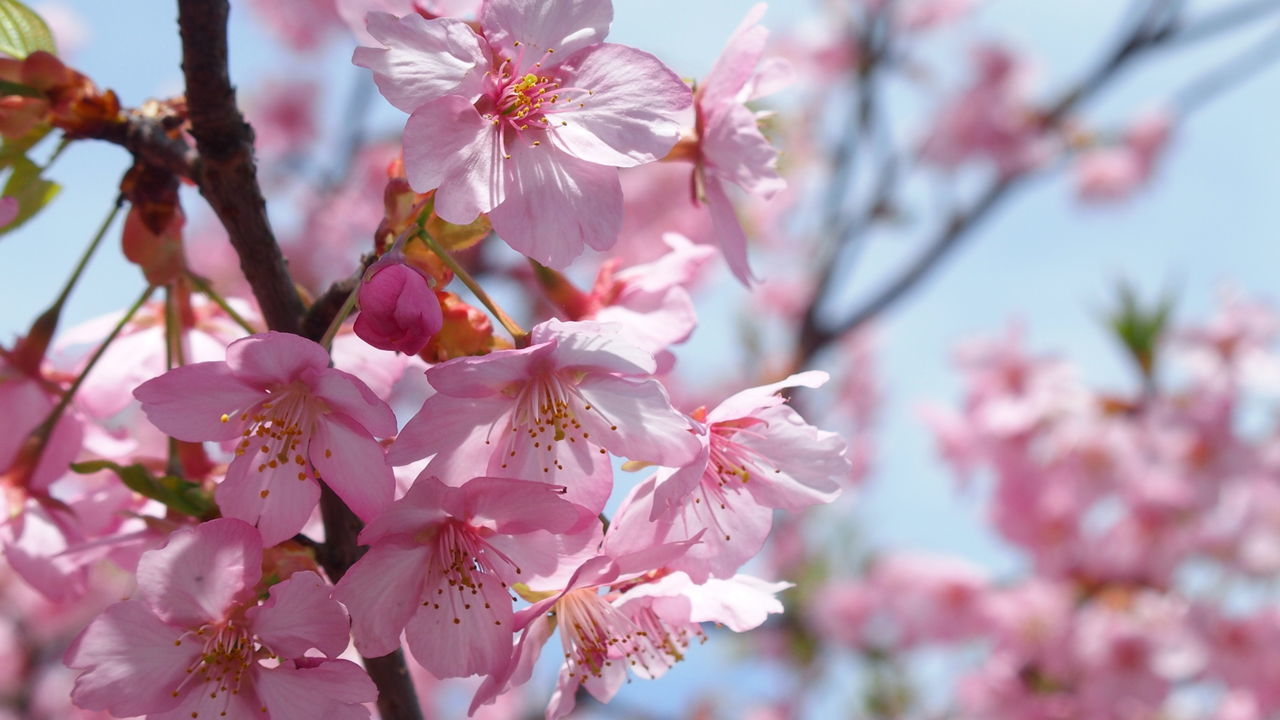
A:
(207, 457)
(1147, 525)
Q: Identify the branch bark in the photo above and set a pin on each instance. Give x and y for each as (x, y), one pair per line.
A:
(228, 179)
(226, 173)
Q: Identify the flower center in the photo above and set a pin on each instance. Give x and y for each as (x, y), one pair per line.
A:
(595, 634)
(462, 564)
(545, 416)
(279, 427)
(731, 460)
(228, 655)
(520, 98)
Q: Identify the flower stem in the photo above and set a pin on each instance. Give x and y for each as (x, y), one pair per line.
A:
(347, 306)
(518, 334)
(207, 290)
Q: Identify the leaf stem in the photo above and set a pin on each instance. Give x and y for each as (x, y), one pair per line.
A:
(207, 290)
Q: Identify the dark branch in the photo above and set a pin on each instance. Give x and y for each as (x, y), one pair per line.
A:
(226, 174)
(148, 140)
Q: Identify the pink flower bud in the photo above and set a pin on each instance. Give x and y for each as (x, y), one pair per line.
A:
(398, 311)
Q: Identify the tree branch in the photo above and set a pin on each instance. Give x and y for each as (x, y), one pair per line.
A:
(226, 173)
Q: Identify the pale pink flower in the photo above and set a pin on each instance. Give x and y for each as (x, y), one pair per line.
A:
(651, 300)
(600, 640)
(992, 120)
(440, 565)
(731, 148)
(757, 455)
(296, 419)
(354, 12)
(1115, 172)
(527, 122)
(283, 116)
(195, 642)
(550, 412)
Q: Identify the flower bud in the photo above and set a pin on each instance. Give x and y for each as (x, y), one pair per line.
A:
(398, 311)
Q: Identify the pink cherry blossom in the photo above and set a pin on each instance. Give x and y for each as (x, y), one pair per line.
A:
(731, 148)
(550, 412)
(757, 455)
(441, 562)
(528, 121)
(297, 421)
(990, 121)
(398, 309)
(302, 24)
(354, 12)
(1115, 172)
(195, 642)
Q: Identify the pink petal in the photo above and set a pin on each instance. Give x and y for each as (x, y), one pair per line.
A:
(456, 633)
(729, 234)
(382, 591)
(735, 525)
(737, 63)
(593, 346)
(734, 150)
(423, 60)
(565, 26)
(676, 485)
(420, 507)
(274, 358)
(556, 204)
(273, 499)
(514, 507)
(347, 394)
(460, 425)
(35, 540)
(189, 402)
(26, 405)
(520, 666)
(479, 377)
(634, 419)
(132, 660)
(580, 467)
(299, 615)
(353, 464)
(448, 145)
(810, 462)
(740, 603)
(195, 703)
(631, 116)
(200, 572)
(746, 402)
(335, 689)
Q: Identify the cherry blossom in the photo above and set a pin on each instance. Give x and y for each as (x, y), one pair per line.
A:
(528, 121)
(294, 420)
(195, 642)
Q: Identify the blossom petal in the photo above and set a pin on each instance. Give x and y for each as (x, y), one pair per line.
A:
(299, 615)
(809, 463)
(423, 60)
(189, 402)
(454, 424)
(593, 346)
(421, 506)
(273, 499)
(729, 234)
(562, 26)
(745, 403)
(349, 395)
(514, 507)
(556, 204)
(448, 145)
(737, 63)
(353, 464)
(630, 117)
(634, 419)
(133, 661)
(382, 591)
(274, 358)
(484, 376)
(734, 150)
(201, 571)
(457, 631)
(334, 690)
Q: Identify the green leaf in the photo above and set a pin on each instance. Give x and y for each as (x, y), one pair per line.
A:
(22, 31)
(32, 191)
(14, 149)
(181, 495)
(13, 88)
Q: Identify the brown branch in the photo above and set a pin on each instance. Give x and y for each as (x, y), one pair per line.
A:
(228, 180)
(226, 173)
(149, 141)
(1156, 32)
